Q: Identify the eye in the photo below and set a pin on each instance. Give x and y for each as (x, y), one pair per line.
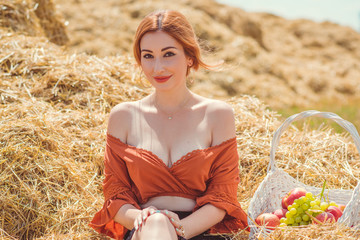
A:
(169, 54)
(147, 56)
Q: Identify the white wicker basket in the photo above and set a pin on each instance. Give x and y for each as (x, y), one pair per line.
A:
(277, 182)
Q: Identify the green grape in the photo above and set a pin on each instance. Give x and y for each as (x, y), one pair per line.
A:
(282, 225)
(315, 207)
(298, 219)
(303, 199)
(305, 206)
(304, 223)
(288, 215)
(300, 210)
(299, 201)
(309, 195)
(295, 224)
(282, 220)
(293, 211)
(324, 206)
(287, 221)
(295, 205)
(291, 220)
(333, 204)
(318, 201)
(308, 212)
(313, 203)
(306, 218)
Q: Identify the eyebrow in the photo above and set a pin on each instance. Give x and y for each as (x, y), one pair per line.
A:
(164, 49)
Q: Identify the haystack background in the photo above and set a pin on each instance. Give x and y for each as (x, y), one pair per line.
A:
(65, 64)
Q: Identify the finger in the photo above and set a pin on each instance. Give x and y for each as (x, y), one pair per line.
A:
(147, 212)
(173, 217)
(180, 231)
(136, 224)
(139, 221)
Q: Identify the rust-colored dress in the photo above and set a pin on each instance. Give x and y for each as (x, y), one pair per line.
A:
(134, 175)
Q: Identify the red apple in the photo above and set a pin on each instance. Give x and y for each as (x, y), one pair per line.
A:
(335, 211)
(342, 207)
(324, 217)
(290, 197)
(269, 220)
(280, 213)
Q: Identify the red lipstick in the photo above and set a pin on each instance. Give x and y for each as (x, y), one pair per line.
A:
(162, 79)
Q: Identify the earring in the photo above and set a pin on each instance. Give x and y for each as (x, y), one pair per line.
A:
(189, 79)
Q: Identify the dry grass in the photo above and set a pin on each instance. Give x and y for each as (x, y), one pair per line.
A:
(35, 18)
(53, 111)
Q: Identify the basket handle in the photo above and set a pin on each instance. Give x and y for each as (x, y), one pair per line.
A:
(310, 113)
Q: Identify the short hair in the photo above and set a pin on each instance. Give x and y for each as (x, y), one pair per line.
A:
(177, 26)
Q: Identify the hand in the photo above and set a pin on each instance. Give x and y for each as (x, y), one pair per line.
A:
(143, 215)
(176, 222)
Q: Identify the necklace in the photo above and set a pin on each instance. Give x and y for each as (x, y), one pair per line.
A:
(170, 115)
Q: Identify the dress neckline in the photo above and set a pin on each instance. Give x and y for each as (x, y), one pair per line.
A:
(182, 158)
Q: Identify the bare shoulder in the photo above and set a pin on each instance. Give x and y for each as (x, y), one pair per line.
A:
(217, 107)
(221, 120)
(120, 120)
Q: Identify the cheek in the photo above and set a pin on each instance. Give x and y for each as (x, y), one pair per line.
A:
(146, 66)
(177, 64)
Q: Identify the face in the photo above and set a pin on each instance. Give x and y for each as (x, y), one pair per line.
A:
(163, 60)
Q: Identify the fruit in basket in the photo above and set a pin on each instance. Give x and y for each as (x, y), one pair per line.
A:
(342, 207)
(269, 220)
(334, 211)
(290, 197)
(324, 206)
(324, 217)
(280, 213)
(305, 208)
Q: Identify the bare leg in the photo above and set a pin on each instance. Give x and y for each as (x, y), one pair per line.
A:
(156, 227)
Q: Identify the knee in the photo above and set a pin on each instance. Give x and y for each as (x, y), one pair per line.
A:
(157, 219)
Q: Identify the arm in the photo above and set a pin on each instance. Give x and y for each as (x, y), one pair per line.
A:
(126, 215)
(117, 186)
(201, 220)
(118, 125)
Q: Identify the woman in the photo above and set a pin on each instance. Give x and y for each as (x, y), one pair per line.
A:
(171, 161)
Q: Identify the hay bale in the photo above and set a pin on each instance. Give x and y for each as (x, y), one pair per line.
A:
(34, 18)
(18, 16)
(54, 28)
(320, 232)
(53, 110)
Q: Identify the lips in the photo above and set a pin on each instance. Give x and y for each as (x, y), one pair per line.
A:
(162, 79)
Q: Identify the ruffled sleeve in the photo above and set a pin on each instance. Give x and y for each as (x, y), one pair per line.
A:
(221, 190)
(118, 190)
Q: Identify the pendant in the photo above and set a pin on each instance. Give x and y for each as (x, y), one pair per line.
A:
(170, 117)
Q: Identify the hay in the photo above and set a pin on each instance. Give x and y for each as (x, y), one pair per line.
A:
(18, 16)
(53, 27)
(53, 121)
(53, 111)
(33, 17)
(320, 232)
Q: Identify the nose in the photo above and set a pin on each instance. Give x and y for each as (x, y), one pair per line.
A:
(158, 66)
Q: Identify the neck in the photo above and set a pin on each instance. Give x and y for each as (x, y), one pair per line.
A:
(169, 101)
(170, 104)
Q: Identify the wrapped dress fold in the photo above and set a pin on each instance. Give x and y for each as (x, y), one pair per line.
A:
(134, 175)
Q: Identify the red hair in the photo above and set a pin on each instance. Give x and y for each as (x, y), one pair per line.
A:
(177, 26)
